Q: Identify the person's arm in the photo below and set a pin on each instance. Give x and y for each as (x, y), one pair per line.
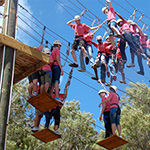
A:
(120, 16)
(93, 28)
(109, 2)
(57, 59)
(69, 22)
(108, 99)
(40, 47)
(141, 33)
(102, 111)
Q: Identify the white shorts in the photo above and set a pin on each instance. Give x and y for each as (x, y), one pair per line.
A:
(103, 59)
(98, 61)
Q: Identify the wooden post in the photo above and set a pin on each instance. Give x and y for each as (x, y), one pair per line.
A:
(2, 48)
(7, 75)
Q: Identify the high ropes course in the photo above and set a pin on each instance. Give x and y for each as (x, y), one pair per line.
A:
(29, 60)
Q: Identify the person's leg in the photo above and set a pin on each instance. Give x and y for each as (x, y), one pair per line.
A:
(48, 80)
(89, 50)
(122, 49)
(103, 61)
(82, 64)
(47, 118)
(119, 129)
(112, 68)
(140, 65)
(113, 127)
(35, 81)
(74, 56)
(51, 90)
(57, 89)
(57, 120)
(103, 73)
(111, 38)
(30, 88)
(84, 52)
(38, 116)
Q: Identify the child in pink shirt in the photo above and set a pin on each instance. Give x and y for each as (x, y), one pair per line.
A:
(114, 109)
(111, 25)
(106, 113)
(79, 40)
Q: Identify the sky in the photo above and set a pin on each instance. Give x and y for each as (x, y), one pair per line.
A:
(55, 17)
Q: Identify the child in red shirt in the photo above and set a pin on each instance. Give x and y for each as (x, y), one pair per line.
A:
(114, 109)
(79, 40)
(111, 24)
(105, 111)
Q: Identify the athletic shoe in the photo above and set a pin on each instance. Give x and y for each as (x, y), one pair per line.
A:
(131, 65)
(108, 84)
(86, 60)
(73, 65)
(35, 129)
(114, 77)
(113, 51)
(34, 94)
(143, 55)
(140, 72)
(121, 81)
(58, 99)
(57, 132)
(94, 78)
(29, 96)
(81, 70)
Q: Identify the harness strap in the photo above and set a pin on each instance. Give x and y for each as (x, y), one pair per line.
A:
(105, 119)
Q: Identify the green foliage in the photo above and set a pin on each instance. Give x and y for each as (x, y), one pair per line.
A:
(135, 117)
(77, 128)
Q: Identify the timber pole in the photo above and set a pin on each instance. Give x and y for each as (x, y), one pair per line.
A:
(7, 73)
(2, 48)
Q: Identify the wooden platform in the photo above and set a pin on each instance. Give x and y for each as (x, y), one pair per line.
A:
(46, 135)
(43, 102)
(112, 142)
(28, 60)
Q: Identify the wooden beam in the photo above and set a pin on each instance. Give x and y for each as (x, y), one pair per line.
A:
(112, 142)
(46, 135)
(11, 42)
(44, 102)
(2, 2)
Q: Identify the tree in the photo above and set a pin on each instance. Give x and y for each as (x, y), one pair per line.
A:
(135, 117)
(77, 128)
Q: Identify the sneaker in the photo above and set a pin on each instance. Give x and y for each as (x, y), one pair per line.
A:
(121, 81)
(58, 99)
(34, 94)
(131, 65)
(73, 65)
(57, 132)
(143, 55)
(29, 96)
(101, 81)
(35, 129)
(114, 77)
(86, 60)
(113, 51)
(94, 78)
(81, 70)
(140, 72)
(108, 84)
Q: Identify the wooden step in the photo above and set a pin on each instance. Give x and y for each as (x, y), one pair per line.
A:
(44, 102)
(46, 135)
(112, 142)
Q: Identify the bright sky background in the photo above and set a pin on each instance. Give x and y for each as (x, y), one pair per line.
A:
(52, 15)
